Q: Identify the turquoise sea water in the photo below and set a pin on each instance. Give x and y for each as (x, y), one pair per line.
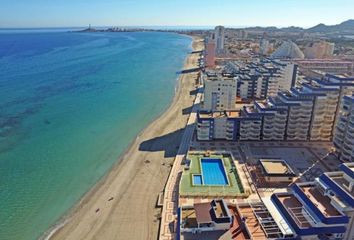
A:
(70, 104)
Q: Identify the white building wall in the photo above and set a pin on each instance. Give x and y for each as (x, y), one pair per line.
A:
(220, 128)
(282, 81)
(219, 95)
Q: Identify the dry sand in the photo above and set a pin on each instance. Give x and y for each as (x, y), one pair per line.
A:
(127, 196)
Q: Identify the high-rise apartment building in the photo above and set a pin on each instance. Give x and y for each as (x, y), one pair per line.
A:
(209, 53)
(259, 80)
(219, 38)
(343, 138)
(308, 112)
(219, 91)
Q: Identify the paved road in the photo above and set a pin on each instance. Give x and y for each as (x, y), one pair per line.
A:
(170, 203)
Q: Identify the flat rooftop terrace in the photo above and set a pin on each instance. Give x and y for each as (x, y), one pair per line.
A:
(220, 114)
(323, 203)
(216, 76)
(236, 231)
(253, 225)
(294, 208)
(189, 188)
(276, 167)
(264, 104)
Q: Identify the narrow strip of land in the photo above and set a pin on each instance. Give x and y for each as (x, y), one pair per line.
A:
(122, 205)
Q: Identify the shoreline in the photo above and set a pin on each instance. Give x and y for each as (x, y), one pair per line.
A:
(79, 208)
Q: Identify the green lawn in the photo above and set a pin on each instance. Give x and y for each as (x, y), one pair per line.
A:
(234, 188)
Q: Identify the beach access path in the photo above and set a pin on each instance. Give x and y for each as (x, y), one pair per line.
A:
(122, 204)
(170, 203)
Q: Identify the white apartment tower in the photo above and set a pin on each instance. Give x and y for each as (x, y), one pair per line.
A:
(219, 92)
(219, 38)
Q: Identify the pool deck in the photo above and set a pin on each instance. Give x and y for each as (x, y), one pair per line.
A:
(233, 188)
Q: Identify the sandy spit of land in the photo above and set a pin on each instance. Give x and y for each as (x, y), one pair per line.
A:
(122, 204)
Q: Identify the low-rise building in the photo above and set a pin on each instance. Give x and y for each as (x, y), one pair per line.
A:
(202, 217)
(276, 171)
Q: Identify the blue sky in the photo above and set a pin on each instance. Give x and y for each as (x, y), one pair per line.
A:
(67, 13)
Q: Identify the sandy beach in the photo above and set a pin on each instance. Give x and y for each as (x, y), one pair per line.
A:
(122, 204)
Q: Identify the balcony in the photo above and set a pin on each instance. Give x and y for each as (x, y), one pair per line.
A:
(337, 142)
(349, 144)
(203, 138)
(350, 127)
(349, 135)
(316, 126)
(204, 124)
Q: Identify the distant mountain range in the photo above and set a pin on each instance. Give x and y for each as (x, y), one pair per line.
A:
(347, 26)
(342, 28)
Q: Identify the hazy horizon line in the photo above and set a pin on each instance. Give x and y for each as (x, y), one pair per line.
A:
(203, 27)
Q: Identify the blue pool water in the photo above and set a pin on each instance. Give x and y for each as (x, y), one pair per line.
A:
(213, 172)
(197, 180)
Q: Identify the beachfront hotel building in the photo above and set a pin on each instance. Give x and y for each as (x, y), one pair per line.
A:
(322, 209)
(308, 112)
(219, 91)
(344, 132)
(219, 35)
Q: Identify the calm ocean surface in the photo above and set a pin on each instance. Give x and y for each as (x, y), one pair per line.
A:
(70, 104)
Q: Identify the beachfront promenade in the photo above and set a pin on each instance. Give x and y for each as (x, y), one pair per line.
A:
(170, 202)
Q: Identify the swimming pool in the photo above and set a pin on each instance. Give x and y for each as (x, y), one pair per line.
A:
(197, 179)
(213, 172)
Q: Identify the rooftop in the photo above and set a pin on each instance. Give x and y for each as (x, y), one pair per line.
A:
(220, 114)
(323, 203)
(258, 220)
(202, 212)
(217, 76)
(323, 61)
(295, 208)
(276, 167)
(189, 217)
